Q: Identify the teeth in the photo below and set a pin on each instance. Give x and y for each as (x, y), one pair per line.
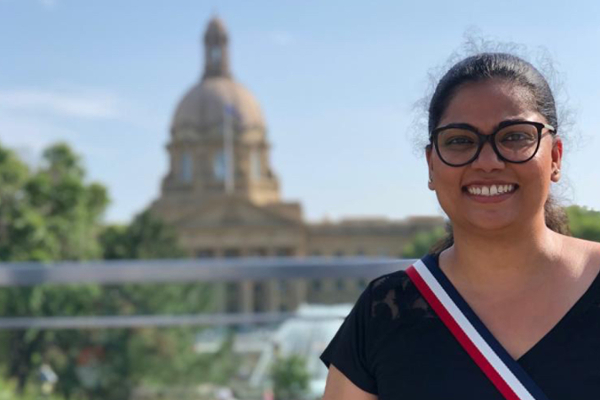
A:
(492, 190)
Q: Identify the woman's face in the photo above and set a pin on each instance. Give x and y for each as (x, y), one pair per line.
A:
(484, 105)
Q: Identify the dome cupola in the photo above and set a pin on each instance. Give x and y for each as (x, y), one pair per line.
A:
(216, 55)
(200, 111)
(218, 138)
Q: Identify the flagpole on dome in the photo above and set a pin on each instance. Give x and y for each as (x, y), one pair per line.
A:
(228, 147)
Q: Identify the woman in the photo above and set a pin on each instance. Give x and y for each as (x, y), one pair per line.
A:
(494, 152)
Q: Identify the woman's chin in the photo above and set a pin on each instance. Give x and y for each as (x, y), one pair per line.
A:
(493, 221)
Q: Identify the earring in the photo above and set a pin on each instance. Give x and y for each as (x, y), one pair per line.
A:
(430, 180)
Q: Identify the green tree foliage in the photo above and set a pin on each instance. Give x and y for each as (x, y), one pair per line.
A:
(160, 356)
(8, 392)
(23, 232)
(71, 209)
(145, 238)
(47, 214)
(422, 242)
(584, 223)
(52, 213)
(290, 378)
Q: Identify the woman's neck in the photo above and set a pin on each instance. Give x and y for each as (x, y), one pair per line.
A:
(509, 262)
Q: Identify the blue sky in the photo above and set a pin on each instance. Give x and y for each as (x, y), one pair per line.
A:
(337, 82)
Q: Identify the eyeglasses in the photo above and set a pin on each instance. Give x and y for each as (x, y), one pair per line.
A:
(513, 141)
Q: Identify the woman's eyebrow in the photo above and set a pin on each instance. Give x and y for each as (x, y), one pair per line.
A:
(458, 125)
(508, 122)
(496, 127)
(499, 125)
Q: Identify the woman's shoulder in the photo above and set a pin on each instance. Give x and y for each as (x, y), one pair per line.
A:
(594, 251)
(587, 249)
(393, 296)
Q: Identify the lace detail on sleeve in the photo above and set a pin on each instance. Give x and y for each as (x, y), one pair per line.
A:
(395, 297)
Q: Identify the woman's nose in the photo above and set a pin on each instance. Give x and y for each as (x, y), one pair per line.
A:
(488, 160)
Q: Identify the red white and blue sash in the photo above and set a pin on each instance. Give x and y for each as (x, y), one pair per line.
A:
(495, 362)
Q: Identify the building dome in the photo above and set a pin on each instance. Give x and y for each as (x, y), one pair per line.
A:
(204, 105)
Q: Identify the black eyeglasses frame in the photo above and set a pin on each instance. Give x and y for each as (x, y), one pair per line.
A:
(483, 139)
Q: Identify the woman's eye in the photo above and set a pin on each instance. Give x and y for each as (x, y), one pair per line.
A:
(516, 136)
(458, 141)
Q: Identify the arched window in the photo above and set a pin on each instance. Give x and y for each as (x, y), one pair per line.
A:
(215, 56)
(186, 168)
(219, 169)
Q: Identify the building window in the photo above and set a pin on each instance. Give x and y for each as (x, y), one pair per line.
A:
(205, 253)
(258, 252)
(316, 285)
(231, 253)
(339, 253)
(219, 166)
(259, 297)
(231, 297)
(186, 168)
(284, 252)
(362, 284)
(255, 165)
(215, 56)
(282, 286)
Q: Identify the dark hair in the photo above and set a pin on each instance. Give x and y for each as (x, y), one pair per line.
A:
(512, 69)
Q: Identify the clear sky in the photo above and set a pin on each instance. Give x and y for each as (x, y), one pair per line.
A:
(337, 81)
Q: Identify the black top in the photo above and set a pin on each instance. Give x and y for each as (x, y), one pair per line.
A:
(392, 344)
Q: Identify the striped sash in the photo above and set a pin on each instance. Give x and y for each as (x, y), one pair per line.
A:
(495, 362)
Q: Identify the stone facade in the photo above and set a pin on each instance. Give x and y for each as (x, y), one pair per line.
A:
(222, 196)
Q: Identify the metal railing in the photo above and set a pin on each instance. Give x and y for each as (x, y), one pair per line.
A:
(182, 271)
(186, 270)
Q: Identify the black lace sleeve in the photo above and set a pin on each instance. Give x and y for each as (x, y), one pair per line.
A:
(348, 350)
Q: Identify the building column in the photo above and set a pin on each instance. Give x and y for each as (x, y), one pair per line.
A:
(273, 296)
(246, 298)
(271, 292)
(298, 292)
(329, 291)
(219, 297)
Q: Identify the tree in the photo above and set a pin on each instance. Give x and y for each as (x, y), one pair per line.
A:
(147, 237)
(422, 243)
(71, 209)
(290, 378)
(48, 214)
(584, 223)
(52, 213)
(23, 233)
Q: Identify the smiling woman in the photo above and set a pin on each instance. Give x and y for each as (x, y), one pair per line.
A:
(508, 306)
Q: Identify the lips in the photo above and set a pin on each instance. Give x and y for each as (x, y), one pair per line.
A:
(490, 192)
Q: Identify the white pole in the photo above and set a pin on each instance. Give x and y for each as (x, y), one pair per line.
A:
(229, 149)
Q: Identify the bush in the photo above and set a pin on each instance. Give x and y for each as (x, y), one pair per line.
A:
(290, 378)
